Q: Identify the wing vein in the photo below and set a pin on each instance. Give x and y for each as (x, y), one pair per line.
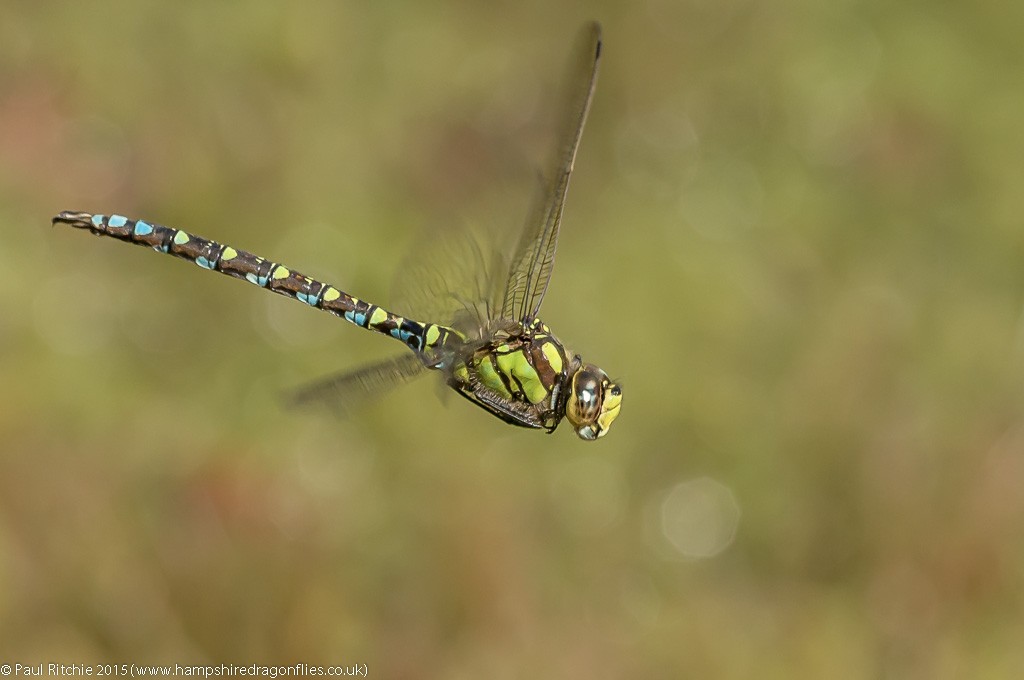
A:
(530, 271)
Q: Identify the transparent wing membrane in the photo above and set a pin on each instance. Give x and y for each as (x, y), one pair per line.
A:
(346, 393)
(458, 277)
(535, 255)
(452, 277)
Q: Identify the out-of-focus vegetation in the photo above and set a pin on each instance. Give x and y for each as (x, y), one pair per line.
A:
(795, 234)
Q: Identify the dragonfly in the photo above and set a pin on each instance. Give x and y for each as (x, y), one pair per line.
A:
(494, 351)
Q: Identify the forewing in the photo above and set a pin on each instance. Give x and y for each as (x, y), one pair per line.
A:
(531, 266)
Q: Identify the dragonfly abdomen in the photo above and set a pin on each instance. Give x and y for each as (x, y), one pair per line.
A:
(275, 277)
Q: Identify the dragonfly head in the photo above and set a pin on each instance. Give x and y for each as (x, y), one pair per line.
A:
(593, 402)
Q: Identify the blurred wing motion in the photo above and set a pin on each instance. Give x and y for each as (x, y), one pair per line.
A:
(346, 393)
(450, 275)
(534, 259)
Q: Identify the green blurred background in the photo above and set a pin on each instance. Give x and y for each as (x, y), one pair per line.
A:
(794, 233)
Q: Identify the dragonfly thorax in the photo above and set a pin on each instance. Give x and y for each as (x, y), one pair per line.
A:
(520, 375)
(527, 377)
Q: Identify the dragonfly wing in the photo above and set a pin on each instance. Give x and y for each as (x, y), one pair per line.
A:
(534, 259)
(447, 278)
(346, 393)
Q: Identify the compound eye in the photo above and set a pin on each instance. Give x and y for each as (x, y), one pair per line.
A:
(589, 404)
(587, 388)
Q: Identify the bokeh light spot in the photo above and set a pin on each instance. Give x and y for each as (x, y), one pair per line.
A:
(699, 518)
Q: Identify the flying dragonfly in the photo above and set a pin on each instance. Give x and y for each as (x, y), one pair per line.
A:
(496, 352)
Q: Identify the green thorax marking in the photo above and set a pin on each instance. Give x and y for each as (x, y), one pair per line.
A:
(486, 370)
(516, 367)
(527, 368)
